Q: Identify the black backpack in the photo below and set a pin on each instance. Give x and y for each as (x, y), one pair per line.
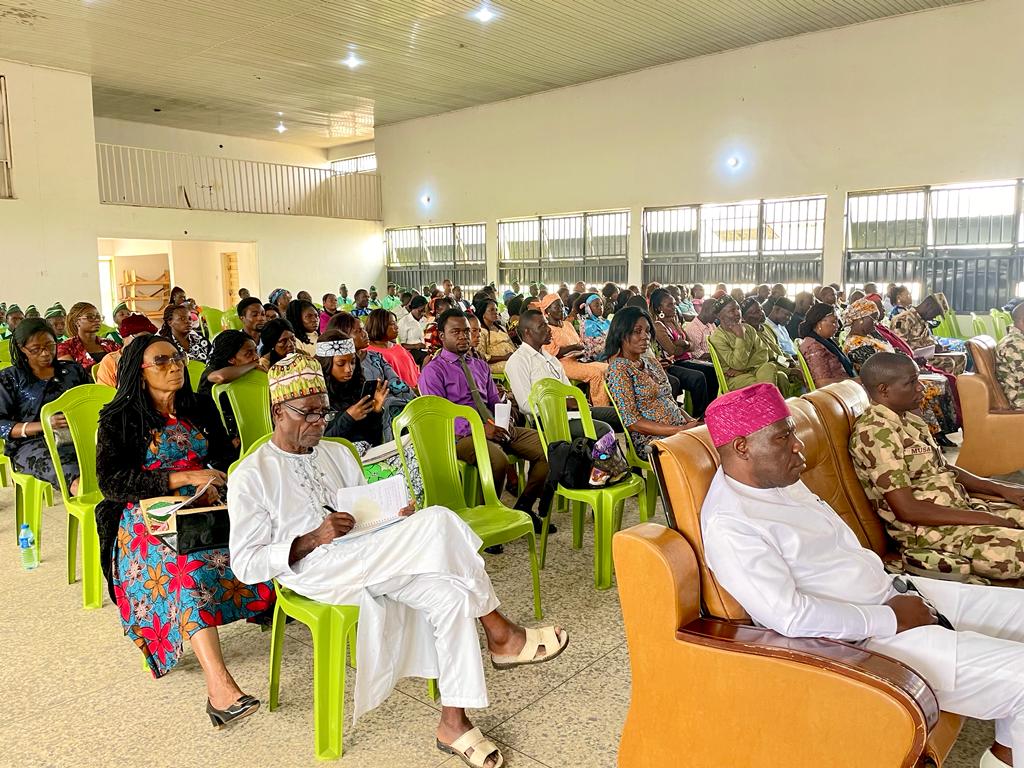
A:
(569, 464)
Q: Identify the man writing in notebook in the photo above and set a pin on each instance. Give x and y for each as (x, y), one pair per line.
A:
(420, 584)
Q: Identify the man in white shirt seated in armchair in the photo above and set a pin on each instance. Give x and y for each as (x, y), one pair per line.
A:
(796, 568)
(420, 584)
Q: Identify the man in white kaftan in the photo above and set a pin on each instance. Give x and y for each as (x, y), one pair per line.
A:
(796, 568)
(420, 583)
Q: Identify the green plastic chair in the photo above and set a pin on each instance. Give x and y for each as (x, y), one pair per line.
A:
(634, 460)
(1001, 320)
(430, 423)
(332, 628)
(6, 470)
(978, 325)
(723, 384)
(81, 407)
(211, 317)
(31, 497)
(548, 403)
(195, 371)
(249, 396)
(808, 379)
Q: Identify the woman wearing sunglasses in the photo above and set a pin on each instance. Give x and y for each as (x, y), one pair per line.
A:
(83, 346)
(156, 438)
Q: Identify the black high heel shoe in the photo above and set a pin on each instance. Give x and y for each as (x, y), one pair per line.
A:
(244, 707)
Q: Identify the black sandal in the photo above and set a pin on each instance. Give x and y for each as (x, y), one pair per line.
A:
(244, 707)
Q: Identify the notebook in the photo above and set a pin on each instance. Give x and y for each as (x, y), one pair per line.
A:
(374, 506)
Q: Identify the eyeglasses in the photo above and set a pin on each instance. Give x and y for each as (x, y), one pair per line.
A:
(312, 417)
(38, 351)
(163, 361)
(94, 317)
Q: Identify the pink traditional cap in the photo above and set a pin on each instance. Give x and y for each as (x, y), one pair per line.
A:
(743, 412)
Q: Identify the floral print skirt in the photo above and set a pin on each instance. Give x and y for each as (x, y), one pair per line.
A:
(164, 598)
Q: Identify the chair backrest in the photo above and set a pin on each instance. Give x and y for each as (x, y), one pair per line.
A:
(632, 457)
(808, 379)
(1001, 320)
(430, 423)
(81, 407)
(195, 372)
(548, 403)
(249, 397)
(978, 325)
(723, 385)
(256, 444)
(983, 352)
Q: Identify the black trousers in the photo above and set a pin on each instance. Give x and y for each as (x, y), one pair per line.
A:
(693, 381)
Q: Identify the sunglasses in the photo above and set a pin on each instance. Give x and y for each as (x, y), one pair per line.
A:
(164, 361)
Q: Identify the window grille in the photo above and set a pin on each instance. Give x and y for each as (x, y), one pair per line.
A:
(419, 256)
(358, 164)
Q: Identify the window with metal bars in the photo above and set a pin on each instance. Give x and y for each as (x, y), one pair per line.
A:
(358, 164)
(6, 190)
(592, 247)
(742, 244)
(962, 240)
(419, 256)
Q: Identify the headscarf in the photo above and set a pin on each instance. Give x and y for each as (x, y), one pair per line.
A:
(548, 300)
(593, 325)
(335, 347)
(743, 412)
(815, 315)
(857, 310)
(276, 294)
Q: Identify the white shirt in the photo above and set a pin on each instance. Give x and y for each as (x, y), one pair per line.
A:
(526, 367)
(410, 330)
(400, 312)
(793, 564)
(782, 334)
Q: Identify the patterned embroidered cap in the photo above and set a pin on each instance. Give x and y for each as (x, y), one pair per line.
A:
(857, 310)
(294, 376)
(335, 347)
(743, 412)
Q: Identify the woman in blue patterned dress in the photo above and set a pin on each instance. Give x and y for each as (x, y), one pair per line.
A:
(157, 439)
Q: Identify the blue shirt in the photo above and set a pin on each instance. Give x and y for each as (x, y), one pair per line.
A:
(782, 334)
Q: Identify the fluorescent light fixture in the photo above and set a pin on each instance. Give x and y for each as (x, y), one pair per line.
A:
(352, 61)
(484, 14)
(281, 127)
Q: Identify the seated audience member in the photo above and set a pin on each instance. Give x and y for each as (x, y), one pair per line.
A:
(410, 329)
(474, 337)
(14, 317)
(825, 360)
(83, 346)
(34, 379)
(345, 302)
(32, 312)
(697, 376)
(431, 341)
(754, 315)
(697, 297)
(924, 500)
(330, 304)
(899, 299)
(762, 292)
(420, 584)
(374, 302)
(58, 320)
(737, 295)
(119, 313)
(305, 320)
(813, 578)
(1010, 360)
(623, 299)
(375, 367)
(362, 303)
(685, 311)
(390, 301)
(638, 384)
(402, 310)
(243, 293)
(911, 325)
(594, 326)
(178, 331)
(304, 296)
(610, 294)
(741, 352)
(280, 298)
(699, 330)
(233, 355)
(277, 341)
(253, 316)
(496, 345)
(514, 308)
(828, 294)
(272, 312)
(779, 314)
(803, 302)
(462, 379)
(460, 302)
(382, 331)
(132, 326)
(531, 362)
(156, 438)
(178, 297)
(565, 345)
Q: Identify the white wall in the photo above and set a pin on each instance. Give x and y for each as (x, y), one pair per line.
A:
(48, 233)
(930, 97)
(343, 151)
(110, 131)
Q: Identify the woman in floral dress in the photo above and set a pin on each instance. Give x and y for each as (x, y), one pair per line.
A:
(157, 439)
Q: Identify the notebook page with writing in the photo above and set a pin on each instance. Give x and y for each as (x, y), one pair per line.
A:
(373, 506)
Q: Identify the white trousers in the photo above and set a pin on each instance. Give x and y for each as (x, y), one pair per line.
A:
(989, 655)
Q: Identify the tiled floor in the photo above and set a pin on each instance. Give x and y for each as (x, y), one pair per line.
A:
(74, 693)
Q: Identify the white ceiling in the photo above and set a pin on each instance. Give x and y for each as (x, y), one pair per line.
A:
(229, 66)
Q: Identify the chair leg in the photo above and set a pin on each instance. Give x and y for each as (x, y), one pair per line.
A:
(92, 573)
(650, 496)
(328, 685)
(432, 690)
(72, 548)
(32, 512)
(577, 524)
(276, 650)
(544, 536)
(531, 540)
(604, 527)
(521, 475)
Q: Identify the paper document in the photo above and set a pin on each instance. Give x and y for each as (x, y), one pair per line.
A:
(160, 513)
(374, 506)
(502, 415)
(925, 353)
(380, 453)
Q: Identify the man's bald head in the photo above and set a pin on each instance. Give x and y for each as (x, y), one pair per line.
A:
(885, 368)
(534, 329)
(1018, 316)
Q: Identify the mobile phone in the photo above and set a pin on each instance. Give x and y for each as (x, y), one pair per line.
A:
(369, 388)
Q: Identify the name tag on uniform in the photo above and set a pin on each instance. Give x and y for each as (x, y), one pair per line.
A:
(919, 450)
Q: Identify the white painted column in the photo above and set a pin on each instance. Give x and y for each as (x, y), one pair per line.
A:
(635, 262)
(835, 237)
(491, 274)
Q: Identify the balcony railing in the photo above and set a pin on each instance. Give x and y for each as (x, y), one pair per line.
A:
(154, 178)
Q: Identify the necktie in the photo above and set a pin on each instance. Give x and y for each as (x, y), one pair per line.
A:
(474, 391)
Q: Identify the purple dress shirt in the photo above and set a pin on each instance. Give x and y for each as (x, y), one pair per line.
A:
(443, 377)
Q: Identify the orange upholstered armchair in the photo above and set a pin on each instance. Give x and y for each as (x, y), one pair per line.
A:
(992, 430)
(710, 689)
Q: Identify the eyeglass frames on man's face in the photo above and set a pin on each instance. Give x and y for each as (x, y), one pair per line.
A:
(164, 361)
(312, 417)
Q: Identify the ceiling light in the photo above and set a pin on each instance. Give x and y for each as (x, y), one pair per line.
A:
(484, 15)
(425, 200)
(352, 61)
(280, 127)
(280, 114)
(733, 162)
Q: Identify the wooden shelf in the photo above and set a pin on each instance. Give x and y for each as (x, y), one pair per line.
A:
(133, 297)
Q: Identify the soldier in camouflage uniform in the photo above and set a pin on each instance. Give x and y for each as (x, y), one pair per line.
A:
(1010, 360)
(925, 501)
(911, 325)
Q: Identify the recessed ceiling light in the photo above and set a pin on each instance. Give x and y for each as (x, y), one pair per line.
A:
(281, 127)
(280, 114)
(425, 200)
(484, 15)
(352, 61)
(733, 162)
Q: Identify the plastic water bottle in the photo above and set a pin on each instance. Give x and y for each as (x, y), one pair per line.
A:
(27, 544)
